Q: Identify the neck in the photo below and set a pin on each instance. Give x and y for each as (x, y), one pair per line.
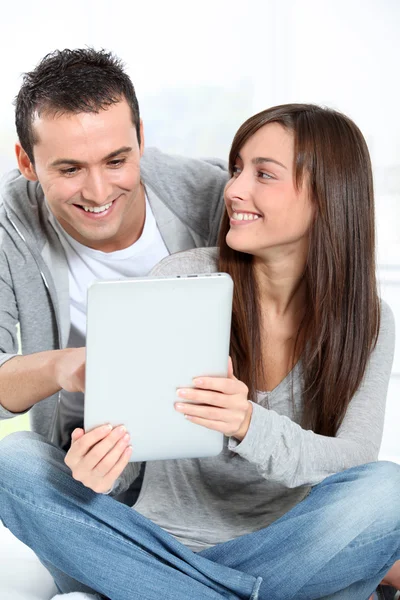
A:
(281, 283)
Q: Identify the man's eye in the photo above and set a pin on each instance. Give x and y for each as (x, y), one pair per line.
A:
(118, 162)
(69, 171)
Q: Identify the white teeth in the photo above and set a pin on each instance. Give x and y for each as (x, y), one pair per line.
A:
(97, 209)
(245, 216)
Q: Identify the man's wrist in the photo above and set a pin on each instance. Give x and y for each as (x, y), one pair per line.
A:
(54, 361)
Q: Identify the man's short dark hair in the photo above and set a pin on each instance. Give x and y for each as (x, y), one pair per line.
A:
(72, 81)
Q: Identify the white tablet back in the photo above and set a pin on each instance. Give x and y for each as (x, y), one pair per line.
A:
(146, 337)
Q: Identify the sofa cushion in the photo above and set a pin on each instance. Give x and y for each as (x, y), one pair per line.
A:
(22, 575)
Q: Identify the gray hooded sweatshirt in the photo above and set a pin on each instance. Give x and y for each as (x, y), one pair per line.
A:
(186, 198)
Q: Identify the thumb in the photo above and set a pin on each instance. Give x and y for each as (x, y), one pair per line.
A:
(82, 379)
(230, 370)
(77, 434)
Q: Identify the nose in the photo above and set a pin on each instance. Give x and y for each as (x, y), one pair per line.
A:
(238, 189)
(96, 187)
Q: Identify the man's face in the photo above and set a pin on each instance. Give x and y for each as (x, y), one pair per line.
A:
(88, 165)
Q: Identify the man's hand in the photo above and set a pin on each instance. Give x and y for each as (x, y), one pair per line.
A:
(69, 368)
(218, 403)
(97, 458)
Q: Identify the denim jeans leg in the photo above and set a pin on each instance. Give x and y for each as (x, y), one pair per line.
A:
(103, 544)
(337, 543)
(65, 584)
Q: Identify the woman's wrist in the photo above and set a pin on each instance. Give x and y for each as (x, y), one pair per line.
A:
(241, 433)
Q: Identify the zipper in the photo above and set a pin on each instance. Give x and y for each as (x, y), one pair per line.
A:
(57, 408)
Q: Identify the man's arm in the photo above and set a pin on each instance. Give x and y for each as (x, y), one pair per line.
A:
(25, 380)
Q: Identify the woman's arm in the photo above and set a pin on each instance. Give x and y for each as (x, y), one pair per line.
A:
(284, 452)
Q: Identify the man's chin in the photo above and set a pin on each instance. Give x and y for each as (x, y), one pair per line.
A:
(98, 238)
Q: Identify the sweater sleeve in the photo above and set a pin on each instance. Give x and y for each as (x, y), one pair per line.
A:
(8, 323)
(125, 480)
(284, 452)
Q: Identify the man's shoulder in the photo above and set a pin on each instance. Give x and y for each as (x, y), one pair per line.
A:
(171, 174)
(191, 188)
(20, 195)
(10, 182)
(196, 261)
(23, 212)
(156, 162)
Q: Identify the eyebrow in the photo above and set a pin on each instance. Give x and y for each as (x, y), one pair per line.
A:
(261, 159)
(71, 161)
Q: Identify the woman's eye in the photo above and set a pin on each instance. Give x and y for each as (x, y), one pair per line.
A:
(264, 175)
(235, 171)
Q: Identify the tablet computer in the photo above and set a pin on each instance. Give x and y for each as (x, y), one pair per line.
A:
(146, 337)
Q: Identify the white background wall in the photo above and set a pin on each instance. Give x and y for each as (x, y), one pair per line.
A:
(200, 69)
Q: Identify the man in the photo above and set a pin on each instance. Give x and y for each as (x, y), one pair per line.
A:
(87, 203)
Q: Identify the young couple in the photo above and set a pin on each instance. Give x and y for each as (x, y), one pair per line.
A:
(296, 505)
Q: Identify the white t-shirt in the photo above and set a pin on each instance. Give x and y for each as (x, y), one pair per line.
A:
(85, 265)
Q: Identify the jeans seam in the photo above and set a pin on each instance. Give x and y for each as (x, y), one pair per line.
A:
(357, 544)
(256, 588)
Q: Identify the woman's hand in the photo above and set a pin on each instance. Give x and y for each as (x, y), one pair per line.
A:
(97, 458)
(218, 403)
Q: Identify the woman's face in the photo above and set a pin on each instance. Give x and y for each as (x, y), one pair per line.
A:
(267, 213)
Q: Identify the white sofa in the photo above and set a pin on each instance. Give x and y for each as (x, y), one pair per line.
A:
(22, 576)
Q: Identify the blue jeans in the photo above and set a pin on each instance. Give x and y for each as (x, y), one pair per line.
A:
(337, 543)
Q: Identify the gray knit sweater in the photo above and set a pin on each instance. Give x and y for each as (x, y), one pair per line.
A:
(250, 484)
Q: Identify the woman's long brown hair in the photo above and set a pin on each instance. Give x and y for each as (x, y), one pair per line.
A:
(342, 312)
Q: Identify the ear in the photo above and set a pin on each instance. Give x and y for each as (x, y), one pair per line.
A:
(141, 138)
(24, 164)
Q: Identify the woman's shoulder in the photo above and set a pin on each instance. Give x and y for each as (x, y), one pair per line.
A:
(387, 324)
(387, 316)
(196, 261)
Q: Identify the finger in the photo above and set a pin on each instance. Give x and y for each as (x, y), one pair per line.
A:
(77, 434)
(82, 378)
(215, 425)
(82, 446)
(101, 449)
(219, 384)
(118, 468)
(106, 484)
(205, 412)
(230, 370)
(104, 466)
(205, 397)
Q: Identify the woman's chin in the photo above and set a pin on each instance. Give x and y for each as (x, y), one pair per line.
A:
(237, 245)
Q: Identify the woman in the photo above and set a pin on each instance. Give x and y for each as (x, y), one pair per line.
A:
(294, 506)
(298, 240)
